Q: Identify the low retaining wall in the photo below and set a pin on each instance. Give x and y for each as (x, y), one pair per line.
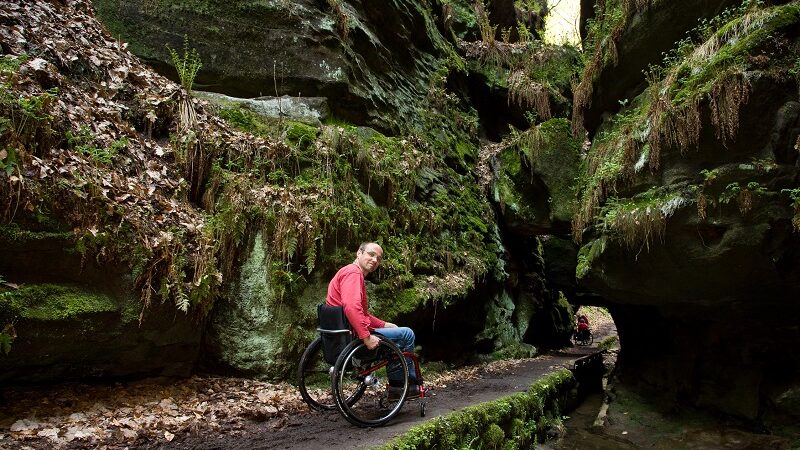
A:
(514, 421)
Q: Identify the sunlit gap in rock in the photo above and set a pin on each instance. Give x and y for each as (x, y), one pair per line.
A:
(561, 23)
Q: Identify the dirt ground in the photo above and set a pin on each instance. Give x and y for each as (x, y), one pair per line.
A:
(206, 412)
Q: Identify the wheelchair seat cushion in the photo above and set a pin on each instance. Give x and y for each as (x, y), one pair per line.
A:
(332, 318)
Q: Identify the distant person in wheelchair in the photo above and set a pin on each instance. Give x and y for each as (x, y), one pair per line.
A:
(347, 289)
(583, 334)
(583, 325)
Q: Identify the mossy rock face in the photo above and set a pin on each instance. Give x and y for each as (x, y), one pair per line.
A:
(535, 189)
(698, 256)
(506, 324)
(256, 332)
(642, 41)
(76, 319)
(70, 332)
(370, 61)
(513, 421)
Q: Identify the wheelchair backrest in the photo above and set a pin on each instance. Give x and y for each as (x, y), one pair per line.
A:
(334, 330)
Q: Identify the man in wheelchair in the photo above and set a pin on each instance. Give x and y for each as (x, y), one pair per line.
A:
(582, 332)
(347, 289)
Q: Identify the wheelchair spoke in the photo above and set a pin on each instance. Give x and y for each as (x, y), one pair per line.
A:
(376, 402)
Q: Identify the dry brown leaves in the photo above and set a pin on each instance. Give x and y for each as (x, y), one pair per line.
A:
(106, 93)
(149, 410)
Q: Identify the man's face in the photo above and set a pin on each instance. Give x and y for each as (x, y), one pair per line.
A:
(370, 258)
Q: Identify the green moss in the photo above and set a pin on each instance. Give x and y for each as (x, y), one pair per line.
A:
(549, 152)
(689, 76)
(494, 436)
(738, 38)
(509, 422)
(609, 343)
(55, 302)
(12, 233)
(461, 17)
(641, 219)
(11, 63)
(390, 303)
(300, 134)
(587, 254)
(247, 120)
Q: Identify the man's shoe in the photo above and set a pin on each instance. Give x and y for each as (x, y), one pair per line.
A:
(413, 391)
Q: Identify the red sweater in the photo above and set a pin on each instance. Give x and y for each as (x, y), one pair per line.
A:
(347, 289)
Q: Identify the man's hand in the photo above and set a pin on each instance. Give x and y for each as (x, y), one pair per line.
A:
(389, 325)
(371, 341)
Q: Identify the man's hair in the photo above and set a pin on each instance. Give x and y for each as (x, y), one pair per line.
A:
(365, 244)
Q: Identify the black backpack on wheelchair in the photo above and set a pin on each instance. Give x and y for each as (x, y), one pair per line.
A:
(334, 330)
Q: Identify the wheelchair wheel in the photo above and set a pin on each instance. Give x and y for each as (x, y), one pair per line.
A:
(314, 379)
(361, 370)
(583, 339)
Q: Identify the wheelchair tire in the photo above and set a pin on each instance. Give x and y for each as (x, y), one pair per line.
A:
(314, 379)
(583, 340)
(357, 371)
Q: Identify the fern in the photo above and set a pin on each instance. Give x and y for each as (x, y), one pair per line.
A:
(291, 247)
(311, 256)
(182, 301)
(187, 64)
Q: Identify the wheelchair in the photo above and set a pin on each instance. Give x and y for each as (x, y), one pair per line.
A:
(583, 337)
(338, 372)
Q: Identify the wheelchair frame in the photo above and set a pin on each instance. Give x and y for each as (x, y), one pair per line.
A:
(357, 379)
(583, 339)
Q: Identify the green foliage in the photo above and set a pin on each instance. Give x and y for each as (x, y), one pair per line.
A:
(300, 134)
(494, 436)
(731, 192)
(794, 195)
(525, 35)
(708, 68)
(10, 64)
(83, 142)
(641, 220)
(7, 336)
(587, 254)
(25, 120)
(8, 160)
(721, 45)
(488, 31)
(709, 175)
(795, 70)
(187, 64)
(608, 343)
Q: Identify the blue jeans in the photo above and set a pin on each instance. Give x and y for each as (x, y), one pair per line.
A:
(403, 337)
